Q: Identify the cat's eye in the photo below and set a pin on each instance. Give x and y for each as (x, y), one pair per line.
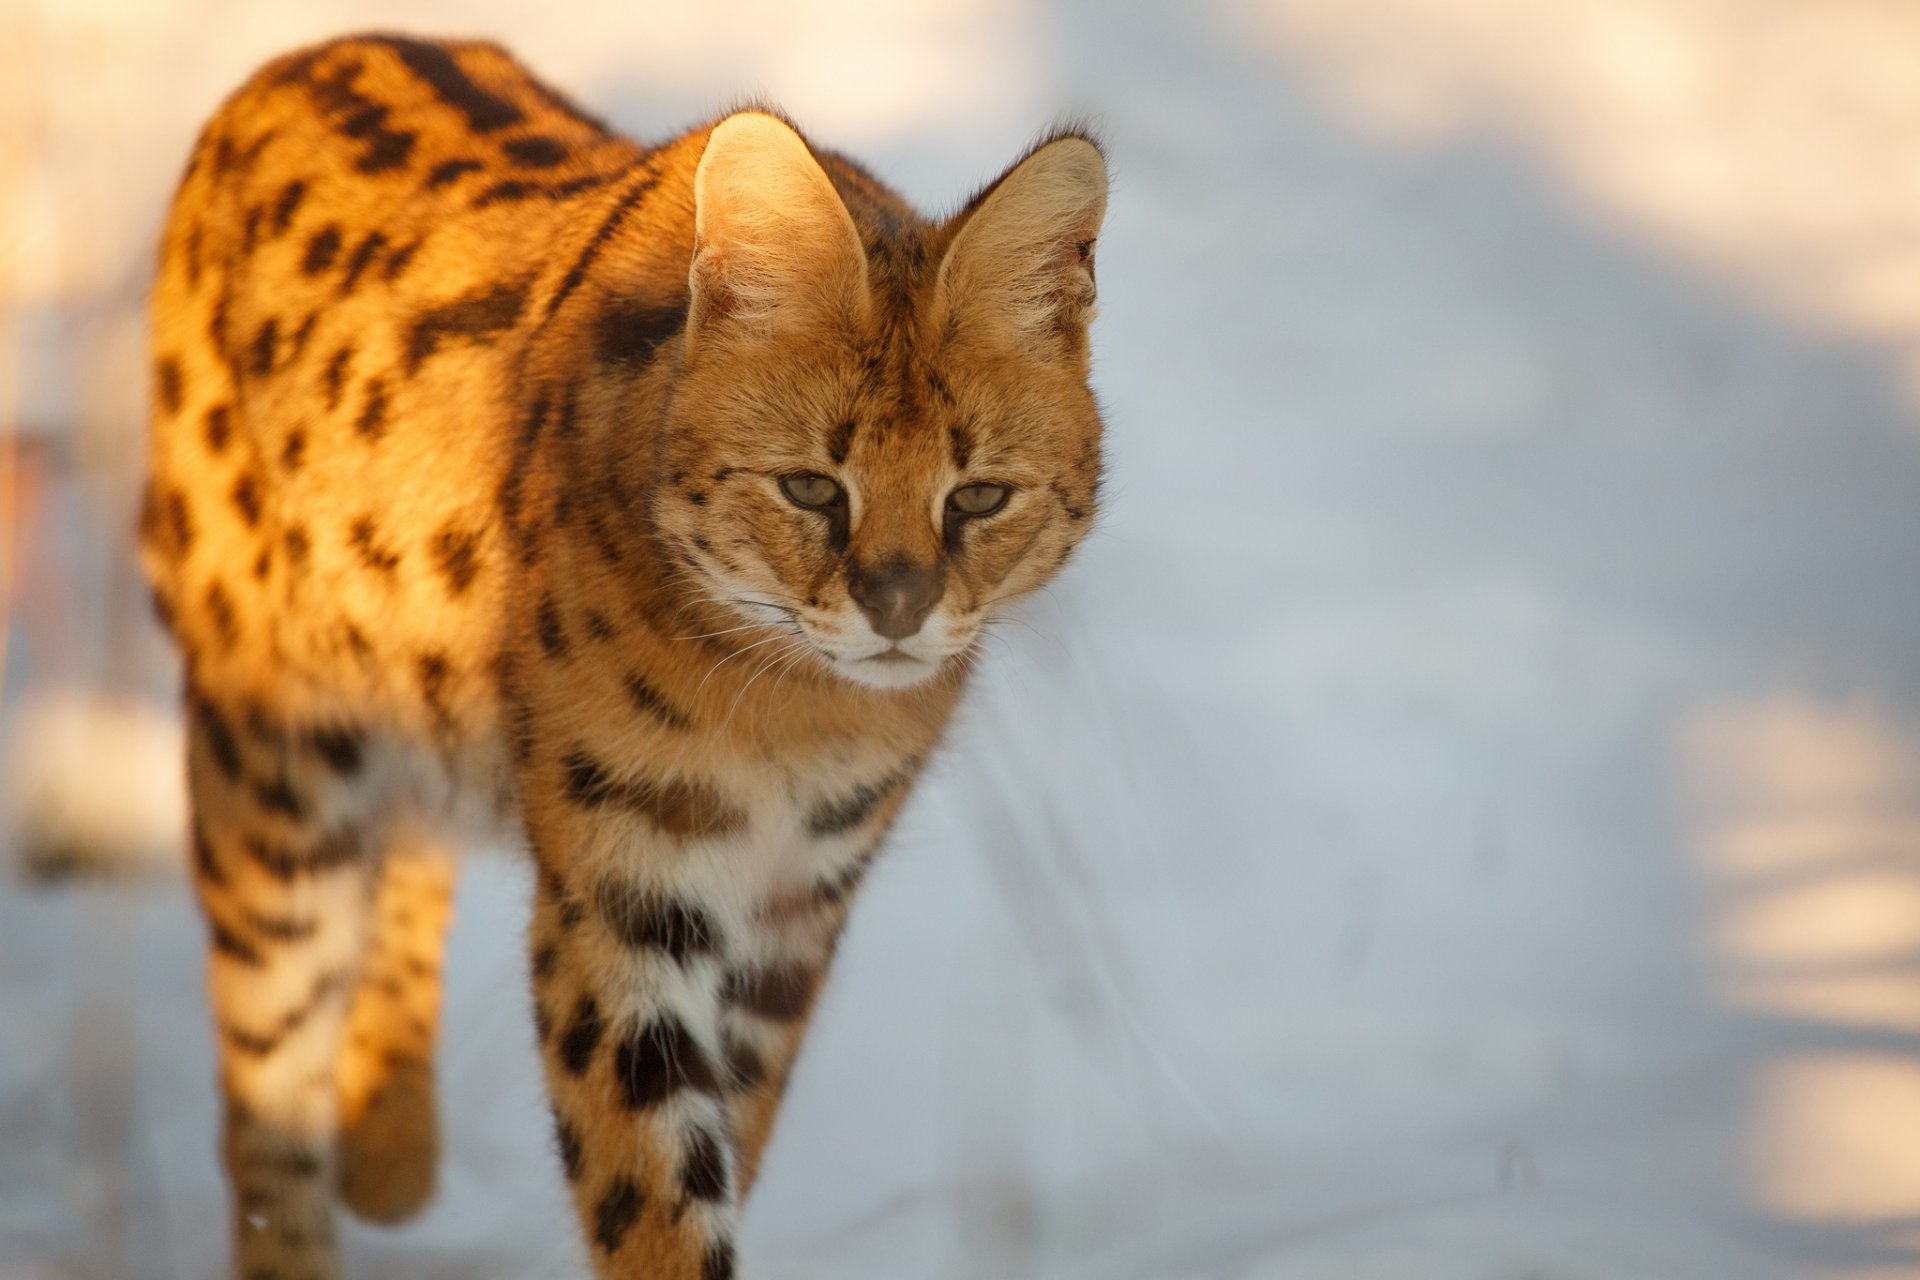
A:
(978, 499)
(811, 489)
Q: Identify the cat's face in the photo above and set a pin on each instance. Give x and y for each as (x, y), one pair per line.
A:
(872, 454)
(879, 507)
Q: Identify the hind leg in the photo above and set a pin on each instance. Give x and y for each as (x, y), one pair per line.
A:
(279, 833)
(389, 1133)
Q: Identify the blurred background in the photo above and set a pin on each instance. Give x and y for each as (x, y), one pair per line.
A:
(1460, 816)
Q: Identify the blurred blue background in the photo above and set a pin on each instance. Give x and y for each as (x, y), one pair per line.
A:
(1458, 818)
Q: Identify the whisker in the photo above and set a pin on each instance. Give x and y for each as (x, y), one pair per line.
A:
(730, 657)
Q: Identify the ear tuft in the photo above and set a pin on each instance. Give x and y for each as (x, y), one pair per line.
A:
(1020, 270)
(772, 241)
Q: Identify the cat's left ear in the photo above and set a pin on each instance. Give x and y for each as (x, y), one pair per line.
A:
(1020, 271)
(773, 244)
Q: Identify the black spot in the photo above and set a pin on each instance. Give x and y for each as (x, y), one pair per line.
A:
(449, 170)
(283, 928)
(365, 538)
(204, 861)
(264, 728)
(504, 193)
(167, 383)
(179, 521)
(246, 498)
(372, 422)
(336, 375)
(276, 795)
(836, 817)
(839, 887)
(287, 204)
(567, 1138)
(628, 332)
(322, 249)
(233, 946)
(301, 335)
(642, 920)
(677, 808)
(537, 151)
(779, 993)
(220, 612)
(194, 234)
(263, 564)
(745, 1067)
(599, 627)
(961, 440)
(264, 344)
(718, 1264)
(162, 608)
(294, 451)
(288, 862)
(385, 148)
(397, 261)
(297, 545)
(840, 443)
(434, 670)
(574, 186)
(650, 700)
(251, 236)
(342, 747)
(485, 112)
(616, 1213)
(261, 1043)
(456, 552)
(476, 318)
(544, 957)
(219, 428)
(658, 1061)
(703, 1174)
(697, 498)
(582, 1037)
(553, 637)
(363, 256)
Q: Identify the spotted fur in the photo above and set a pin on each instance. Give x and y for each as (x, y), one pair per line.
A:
(475, 432)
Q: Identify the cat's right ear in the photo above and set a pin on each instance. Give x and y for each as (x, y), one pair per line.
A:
(773, 245)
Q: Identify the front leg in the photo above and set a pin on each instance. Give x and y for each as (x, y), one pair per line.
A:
(630, 945)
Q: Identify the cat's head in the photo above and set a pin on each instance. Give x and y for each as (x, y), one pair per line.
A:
(882, 434)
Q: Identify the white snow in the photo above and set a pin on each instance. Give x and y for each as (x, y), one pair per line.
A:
(1458, 819)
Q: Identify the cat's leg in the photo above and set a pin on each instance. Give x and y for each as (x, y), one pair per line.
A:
(389, 1128)
(766, 1002)
(629, 944)
(279, 851)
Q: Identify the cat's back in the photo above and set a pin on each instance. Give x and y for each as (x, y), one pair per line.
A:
(367, 237)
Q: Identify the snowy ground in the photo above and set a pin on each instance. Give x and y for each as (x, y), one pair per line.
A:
(1460, 819)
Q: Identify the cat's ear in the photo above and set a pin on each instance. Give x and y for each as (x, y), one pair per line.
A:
(773, 245)
(1020, 272)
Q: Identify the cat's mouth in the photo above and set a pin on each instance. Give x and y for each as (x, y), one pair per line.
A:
(890, 668)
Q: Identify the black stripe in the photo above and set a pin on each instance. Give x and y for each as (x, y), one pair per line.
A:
(484, 111)
(622, 207)
(658, 1061)
(838, 816)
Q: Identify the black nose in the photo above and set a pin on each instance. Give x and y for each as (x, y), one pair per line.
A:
(897, 596)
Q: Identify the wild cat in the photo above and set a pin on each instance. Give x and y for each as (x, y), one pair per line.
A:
(654, 495)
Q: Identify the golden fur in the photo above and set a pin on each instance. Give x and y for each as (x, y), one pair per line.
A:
(474, 433)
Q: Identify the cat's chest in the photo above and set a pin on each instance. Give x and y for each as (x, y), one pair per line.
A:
(814, 819)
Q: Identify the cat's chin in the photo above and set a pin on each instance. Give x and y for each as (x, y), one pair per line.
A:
(894, 670)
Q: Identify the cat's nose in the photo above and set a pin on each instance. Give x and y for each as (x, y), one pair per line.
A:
(897, 596)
